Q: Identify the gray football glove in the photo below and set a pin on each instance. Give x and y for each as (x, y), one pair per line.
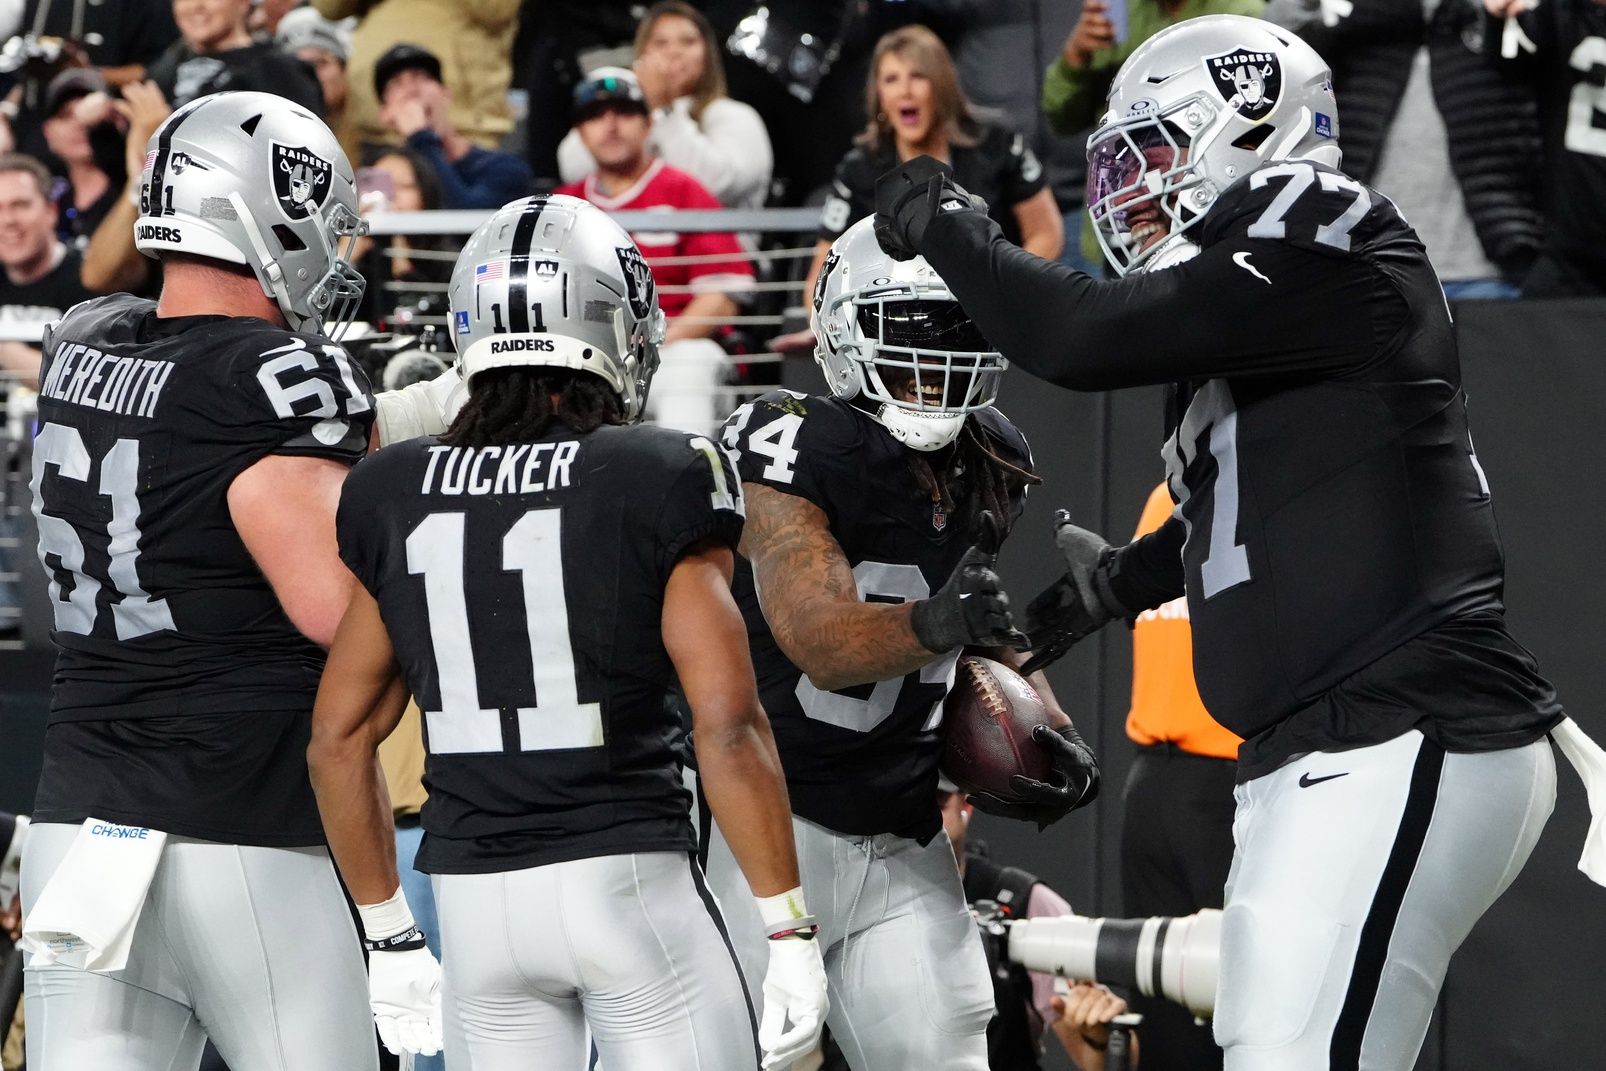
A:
(1079, 603)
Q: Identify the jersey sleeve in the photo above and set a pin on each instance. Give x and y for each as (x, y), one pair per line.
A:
(852, 196)
(305, 396)
(790, 442)
(704, 502)
(1255, 301)
(1022, 172)
(356, 532)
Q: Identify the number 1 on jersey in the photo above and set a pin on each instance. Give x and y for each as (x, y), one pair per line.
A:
(532, 547)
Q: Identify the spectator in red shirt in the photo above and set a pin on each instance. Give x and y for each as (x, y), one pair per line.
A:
(697, 297)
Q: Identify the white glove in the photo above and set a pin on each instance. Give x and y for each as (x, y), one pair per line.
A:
(794, 991)
(404, 991)
(426, 408)
(404, 980)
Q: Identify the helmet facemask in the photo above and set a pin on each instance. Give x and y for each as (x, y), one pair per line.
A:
(921, 361)
(1137, 174)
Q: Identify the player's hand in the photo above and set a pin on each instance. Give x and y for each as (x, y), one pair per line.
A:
(971, 609)
(1094, 32)
(1088, 1010)
(908, 198)
(1074, 782)
(794, 992)
(1076, 605)
(404, 991)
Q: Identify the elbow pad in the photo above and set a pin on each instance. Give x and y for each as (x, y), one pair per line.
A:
(426, 408)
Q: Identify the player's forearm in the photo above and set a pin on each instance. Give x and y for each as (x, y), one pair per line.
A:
(355, 807)
(839, 644)
(740, 773)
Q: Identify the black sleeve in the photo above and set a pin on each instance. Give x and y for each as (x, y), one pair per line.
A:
(355, 530)
(703, 502)
(1290, 309)
(305, 395)
(852, 196)
(1148, 571)
(1022, 172)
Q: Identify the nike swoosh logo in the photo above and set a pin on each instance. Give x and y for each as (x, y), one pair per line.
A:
(1306, 780)
(1241, 258)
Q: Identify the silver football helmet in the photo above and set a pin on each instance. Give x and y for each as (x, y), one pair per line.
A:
(891, 332)
(553, 282)
(1196, 107)
(254, 179)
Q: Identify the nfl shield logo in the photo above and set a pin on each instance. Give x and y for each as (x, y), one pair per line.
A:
(1249, 81)
(301, 180)
(1324, 125)
(939, 516)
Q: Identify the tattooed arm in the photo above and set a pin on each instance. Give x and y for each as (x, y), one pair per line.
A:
(811, 602)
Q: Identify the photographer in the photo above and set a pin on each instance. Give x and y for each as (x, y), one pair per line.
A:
(1027, 1001)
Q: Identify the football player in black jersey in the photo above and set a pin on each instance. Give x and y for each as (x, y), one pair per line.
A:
(187, 467)
(1334, 535)
(539, 575)
(873, 517)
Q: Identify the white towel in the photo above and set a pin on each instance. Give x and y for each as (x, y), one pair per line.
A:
(86, 915)
(1589, 760)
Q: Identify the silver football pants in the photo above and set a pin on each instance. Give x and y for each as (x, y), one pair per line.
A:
(1356, 875)
(630, 946)
(908, 977)
(252, 947)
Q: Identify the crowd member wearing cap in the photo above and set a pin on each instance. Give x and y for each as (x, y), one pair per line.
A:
(474, 43)
(720, 142)
(417, 106)
(215, 52)
(81, 129)
(611, 117)
(324, 46)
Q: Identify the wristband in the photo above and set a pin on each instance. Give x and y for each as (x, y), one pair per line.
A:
(402, 942)
(387, 921)
(786, 915)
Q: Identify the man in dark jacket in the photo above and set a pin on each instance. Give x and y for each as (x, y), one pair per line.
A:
(216, 52)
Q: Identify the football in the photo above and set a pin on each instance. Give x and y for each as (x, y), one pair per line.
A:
(990, 713)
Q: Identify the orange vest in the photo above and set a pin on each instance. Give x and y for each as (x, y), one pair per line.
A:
(1165, 702)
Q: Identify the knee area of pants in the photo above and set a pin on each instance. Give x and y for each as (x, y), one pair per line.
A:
(1274, 965)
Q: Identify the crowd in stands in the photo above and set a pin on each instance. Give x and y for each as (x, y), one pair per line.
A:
(1471, 118)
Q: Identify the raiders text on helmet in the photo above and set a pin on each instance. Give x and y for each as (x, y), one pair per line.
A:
(253, 179)
(1196, 107)
(553, 282)
(891, 333)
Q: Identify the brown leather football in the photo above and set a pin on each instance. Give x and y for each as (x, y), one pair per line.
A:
(989, 716)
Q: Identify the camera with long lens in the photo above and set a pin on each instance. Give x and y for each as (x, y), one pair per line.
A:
(1174, 958)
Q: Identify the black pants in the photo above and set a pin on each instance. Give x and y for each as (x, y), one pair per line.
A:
(1176, 849)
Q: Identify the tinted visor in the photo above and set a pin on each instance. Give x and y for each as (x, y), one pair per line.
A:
(926, 325)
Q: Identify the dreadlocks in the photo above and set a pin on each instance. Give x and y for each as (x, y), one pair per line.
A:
(507, 405)
(986, 480)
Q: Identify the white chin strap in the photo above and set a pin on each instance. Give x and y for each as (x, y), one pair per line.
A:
(920, 431)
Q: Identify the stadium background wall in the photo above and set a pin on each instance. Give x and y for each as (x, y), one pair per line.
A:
(1524, 990)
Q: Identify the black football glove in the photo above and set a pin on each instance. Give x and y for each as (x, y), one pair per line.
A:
(908, 198)
(1074, 782)
(971, 608)
(1076, 605)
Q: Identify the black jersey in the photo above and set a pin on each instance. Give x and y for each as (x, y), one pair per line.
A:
(1341, 562)
(161, 615)
(1568, 67)
(862, 760)
(523, 588)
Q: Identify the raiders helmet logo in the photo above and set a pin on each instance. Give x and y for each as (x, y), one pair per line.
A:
(638, 280)
(825, 273)
(1250, 82)
(301, 180)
